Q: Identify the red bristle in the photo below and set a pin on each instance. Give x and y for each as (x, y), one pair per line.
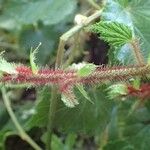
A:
(143, 92)
(66, 79)
(23, 70)
(132, 91)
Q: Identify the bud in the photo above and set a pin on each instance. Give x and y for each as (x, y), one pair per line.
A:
(117, 90)
(79, 19)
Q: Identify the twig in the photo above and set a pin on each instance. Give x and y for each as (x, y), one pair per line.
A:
(58, 64)
(137, 52)
(74, 51)
(70, 33)
(21, 131)
(51, 116)
(93, 4)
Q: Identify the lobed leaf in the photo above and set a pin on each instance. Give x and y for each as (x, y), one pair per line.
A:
(68, 100)
(83, 92)
(116, 34)
(135, 14)
(84, 118)
(34, 67)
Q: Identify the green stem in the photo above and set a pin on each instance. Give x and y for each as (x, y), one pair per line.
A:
(137, 52)
(66, 36)
(21, 131)
(51, 117)
(92, 3)
(53, 100)
(73, 52)
(59, 61)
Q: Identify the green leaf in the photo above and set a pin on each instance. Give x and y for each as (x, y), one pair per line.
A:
(7, 128)
(70, 141)
(136, 128)
(136, 14)
(6, 67)
(23, 114)
(84, 118)
(83, 92)
(69, 102)
(31, 37)
(118, 145)
(34, 67)
(117, 90)
(4, 117)
(113, 127)
(141, 139)
(48, 11)
(116, 34)
(40, 117)
(57, 143)
(138, 136)
(86, 69)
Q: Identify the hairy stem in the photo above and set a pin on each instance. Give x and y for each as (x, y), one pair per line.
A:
(21, 131)
(58, 64)
(137, 52)
(66, 78)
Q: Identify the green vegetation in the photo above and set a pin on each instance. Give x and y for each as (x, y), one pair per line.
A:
(72, 84)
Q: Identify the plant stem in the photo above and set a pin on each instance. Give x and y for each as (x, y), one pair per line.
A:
(21, 131)
(66, 36)
(137, 52)
(74, 51)
(59, 59)
(93, 4)
(51, 117)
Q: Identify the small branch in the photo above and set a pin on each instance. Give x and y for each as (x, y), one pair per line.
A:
(137, 52)
(58, 64)
(119, 73)
(61, 78)
(93, 4)
(21, 131)
(66, 36)
(76, 48)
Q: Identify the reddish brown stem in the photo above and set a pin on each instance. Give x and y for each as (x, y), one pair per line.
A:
(69, 78)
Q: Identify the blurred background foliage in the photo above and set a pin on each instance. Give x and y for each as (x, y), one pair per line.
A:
(106, 124)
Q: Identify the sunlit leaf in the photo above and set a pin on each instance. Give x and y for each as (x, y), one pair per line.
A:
(34, 67)
(116, 34)
(136, 15)
(86, 70)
